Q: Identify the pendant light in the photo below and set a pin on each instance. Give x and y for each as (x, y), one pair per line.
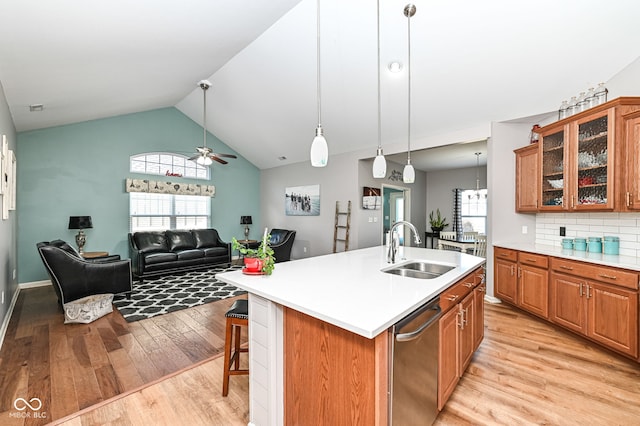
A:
(379, 164)
(409, 174)
(478, 175)
(319, 150)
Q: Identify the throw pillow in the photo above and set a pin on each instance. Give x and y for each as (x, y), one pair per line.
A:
(88, 309)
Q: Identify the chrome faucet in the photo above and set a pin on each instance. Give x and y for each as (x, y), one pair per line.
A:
(393, 244)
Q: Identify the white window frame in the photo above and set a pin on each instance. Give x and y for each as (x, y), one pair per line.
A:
(165, 211)
(168, 164)
(465, 201)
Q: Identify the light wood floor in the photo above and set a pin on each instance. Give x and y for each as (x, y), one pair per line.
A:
(526, 372)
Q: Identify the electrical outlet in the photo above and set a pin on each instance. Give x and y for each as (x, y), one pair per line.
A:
(563, 231)
(2, 302)
(304, 249)
(525, 229)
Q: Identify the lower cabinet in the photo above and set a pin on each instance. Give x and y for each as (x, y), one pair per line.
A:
(595, 301)
(461, 331)
(605, 313)
(521, 279)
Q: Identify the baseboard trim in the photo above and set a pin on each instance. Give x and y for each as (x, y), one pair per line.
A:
(7, 317)
(34, 284)
(491, 299)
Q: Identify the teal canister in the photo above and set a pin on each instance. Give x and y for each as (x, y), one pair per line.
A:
(611, 245)
(594, 244)
(580, 244)
(567, 243)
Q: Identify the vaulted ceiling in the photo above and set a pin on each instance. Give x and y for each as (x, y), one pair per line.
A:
(472, 62)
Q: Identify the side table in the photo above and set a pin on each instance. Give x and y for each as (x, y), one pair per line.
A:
(94, 254)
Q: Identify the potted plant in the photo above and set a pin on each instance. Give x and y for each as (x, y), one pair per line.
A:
(437, 222)
(258, 260)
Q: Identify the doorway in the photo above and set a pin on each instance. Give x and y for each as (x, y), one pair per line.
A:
(396, 205)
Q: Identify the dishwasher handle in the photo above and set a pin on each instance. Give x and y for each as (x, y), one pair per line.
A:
(412, 335)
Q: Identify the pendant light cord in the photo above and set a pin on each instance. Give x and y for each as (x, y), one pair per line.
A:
(379, 108)
(204, 117)
(409, 13)
(318, 63)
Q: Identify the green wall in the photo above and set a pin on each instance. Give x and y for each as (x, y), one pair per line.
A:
(80, 169)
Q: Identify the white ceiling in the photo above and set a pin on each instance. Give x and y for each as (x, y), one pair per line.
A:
(472, 63)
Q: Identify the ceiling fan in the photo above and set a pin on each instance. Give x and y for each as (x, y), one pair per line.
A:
(204, 154)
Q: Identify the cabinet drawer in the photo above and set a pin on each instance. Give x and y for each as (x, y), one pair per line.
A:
(605, 274)
(454, 295)
(505, 254)
(533, 259)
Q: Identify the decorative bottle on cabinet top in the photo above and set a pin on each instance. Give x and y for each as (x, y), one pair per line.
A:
(601, 94)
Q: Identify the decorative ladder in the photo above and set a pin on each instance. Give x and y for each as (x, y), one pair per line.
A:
(345, 225)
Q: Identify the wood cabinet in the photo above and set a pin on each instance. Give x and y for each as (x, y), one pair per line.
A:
(461, 331)
(533, 284)
(527, 180)
(586, 162)
(505, 278)
(631, 152)
(584, 300)
(478, 309)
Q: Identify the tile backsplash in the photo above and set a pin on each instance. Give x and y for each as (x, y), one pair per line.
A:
(623, 225)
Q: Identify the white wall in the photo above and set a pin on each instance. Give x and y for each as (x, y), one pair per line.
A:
(338, 182)
(440, 185)
(342, 180)
(504, 224)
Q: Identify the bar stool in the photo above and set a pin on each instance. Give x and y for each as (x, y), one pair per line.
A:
(237, 317)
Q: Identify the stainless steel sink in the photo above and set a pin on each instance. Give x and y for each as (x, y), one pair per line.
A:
(421, 270)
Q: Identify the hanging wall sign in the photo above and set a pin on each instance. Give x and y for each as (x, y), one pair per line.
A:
(173, 188)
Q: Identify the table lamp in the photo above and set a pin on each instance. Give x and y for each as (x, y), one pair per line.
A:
(246, 221)
(81, 223)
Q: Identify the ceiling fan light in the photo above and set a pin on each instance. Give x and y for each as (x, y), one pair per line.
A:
(408, 174)
(379, 165)
(319, 150)
(204, 160)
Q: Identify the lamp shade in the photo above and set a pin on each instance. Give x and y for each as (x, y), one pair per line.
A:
(245, 220)
(319, 149)
(408, 174)
(379, 165)
(80, 222)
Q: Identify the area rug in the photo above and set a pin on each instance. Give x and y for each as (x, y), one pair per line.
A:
(171, 293)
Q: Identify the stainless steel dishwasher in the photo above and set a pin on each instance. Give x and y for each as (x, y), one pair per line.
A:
(414, 367)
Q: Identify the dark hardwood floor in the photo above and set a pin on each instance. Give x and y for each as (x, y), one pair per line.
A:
(71, 367)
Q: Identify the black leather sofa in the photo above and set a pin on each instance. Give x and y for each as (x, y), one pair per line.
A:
(160, 252)
(74, 277)
(281, 242)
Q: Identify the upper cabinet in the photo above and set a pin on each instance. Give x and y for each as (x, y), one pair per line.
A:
(589, 161)
(527, 180)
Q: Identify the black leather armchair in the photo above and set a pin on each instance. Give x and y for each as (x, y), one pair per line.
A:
(73, 277)
(281, 242)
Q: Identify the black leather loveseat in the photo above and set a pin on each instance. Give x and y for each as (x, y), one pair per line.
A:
(161, 252)
(73, 277)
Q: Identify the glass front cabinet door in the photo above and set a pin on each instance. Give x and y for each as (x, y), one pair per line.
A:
(577, 158)
(592, 156)
(553, 162)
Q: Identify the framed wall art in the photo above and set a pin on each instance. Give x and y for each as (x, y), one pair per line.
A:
(302, 200)
(371, 198)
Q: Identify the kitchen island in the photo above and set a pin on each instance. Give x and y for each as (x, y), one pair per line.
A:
(324, 307)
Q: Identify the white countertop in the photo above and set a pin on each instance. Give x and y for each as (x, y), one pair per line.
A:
(349, 290)
(625, 262)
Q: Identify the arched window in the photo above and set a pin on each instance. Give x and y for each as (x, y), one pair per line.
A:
(167, 164)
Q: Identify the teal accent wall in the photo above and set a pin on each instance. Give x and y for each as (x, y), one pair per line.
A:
(80, 169)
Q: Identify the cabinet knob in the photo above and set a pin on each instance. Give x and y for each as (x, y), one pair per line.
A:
(453, 297)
